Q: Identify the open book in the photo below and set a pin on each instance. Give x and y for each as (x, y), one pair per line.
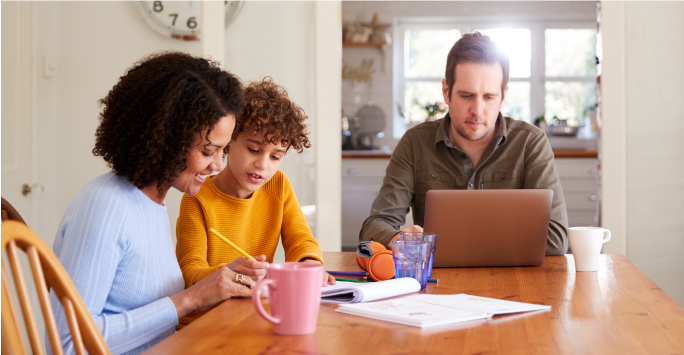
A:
(431, 310)
(353, 292)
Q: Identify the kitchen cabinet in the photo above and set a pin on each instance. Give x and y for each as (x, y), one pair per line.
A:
(361, 182)
(578, 177)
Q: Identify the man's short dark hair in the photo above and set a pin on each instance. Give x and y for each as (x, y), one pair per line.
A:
(476, 48)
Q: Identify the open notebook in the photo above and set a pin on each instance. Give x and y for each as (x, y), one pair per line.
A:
(431, 310)
(352, 292)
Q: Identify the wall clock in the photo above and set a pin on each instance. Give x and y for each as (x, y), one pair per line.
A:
(181, 19)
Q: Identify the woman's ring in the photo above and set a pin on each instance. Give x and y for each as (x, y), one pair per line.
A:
(239, 278)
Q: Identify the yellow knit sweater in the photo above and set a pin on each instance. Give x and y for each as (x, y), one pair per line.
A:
(254, 224)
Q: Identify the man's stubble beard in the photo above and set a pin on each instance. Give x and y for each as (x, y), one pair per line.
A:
(463, 133)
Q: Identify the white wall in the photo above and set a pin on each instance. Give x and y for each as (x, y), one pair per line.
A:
(93, 43)
(654, 73)
(96, 43)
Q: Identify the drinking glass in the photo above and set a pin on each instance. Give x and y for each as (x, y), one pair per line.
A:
(428, 237)
(411, 258)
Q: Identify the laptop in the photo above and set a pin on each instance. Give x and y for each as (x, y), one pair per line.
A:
(488, 227)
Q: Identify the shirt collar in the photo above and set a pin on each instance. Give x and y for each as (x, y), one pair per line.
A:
(443, 131)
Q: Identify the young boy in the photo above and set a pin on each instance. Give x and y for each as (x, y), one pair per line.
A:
(250, 202)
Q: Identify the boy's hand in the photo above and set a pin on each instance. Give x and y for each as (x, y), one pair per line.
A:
(327, 278)
(256, 269)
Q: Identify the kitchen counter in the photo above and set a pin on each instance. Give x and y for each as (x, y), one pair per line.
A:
(354, 154)
(380, 154)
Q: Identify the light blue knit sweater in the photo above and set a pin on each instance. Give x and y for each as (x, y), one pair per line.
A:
(116, 245)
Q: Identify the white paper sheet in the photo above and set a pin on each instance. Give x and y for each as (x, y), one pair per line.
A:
(431, 310)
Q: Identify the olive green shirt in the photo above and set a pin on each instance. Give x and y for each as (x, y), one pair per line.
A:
(519, 157)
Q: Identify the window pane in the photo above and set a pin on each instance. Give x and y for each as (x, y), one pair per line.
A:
(427, 51)
(569, 101)
(570, 52)
(418, 95)
(517, 101)
(516, 43)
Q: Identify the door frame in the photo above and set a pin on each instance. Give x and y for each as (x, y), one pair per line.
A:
(328, 123)
(613, 141)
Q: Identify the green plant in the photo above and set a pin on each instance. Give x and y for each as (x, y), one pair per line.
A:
(435, 108)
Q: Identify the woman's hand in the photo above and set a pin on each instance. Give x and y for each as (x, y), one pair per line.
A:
(256, 269)
(327, 278)
(213, 289)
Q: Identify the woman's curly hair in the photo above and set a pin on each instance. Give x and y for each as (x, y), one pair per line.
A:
(152, 115)
(269, 110)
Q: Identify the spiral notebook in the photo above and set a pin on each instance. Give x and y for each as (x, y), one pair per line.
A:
(353, 292)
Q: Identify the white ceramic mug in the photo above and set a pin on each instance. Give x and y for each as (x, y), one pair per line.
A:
(586, 243)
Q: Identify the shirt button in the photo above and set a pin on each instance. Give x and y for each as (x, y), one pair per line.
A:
(462, 156)
(470, 184)
(503, 176)
(434, 175)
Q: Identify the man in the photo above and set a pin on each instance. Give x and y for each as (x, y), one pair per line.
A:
(472, 147)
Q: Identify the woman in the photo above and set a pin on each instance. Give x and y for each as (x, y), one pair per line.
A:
(165, 124)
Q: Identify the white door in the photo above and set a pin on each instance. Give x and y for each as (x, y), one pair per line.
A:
(16, 105)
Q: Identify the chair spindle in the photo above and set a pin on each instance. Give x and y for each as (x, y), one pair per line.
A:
(25, 302)
(44, 297)
(76, 338)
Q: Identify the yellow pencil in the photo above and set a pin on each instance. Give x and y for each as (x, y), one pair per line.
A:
(231, 244)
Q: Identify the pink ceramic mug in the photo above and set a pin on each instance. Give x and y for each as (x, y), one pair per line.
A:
(295, 295)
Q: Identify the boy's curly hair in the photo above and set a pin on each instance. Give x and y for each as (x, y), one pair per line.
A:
(153, 114)
(268, 109)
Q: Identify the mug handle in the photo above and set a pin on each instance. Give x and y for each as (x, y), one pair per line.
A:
(256, 299)
(606, 238)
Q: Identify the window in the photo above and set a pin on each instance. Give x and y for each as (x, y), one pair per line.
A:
(553, 67)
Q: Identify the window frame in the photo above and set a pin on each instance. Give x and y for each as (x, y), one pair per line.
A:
(537, 78)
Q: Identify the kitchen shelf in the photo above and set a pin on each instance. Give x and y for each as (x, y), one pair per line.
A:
(575, 153)
(382, 46)
(364, 44)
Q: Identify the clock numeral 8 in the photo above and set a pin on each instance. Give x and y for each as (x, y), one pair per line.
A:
(192, 23)
(158, 6)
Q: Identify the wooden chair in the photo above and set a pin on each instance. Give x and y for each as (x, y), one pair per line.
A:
(9, 213)
(47, 272)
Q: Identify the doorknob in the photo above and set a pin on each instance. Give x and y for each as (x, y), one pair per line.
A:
(26, 188)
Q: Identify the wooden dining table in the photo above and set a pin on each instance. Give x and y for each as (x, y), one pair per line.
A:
(615, 310)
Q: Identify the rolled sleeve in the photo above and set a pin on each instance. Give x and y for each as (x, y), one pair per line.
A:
(388, 212)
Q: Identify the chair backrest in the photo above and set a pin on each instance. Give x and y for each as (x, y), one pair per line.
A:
(9, 213)
(47, 272)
